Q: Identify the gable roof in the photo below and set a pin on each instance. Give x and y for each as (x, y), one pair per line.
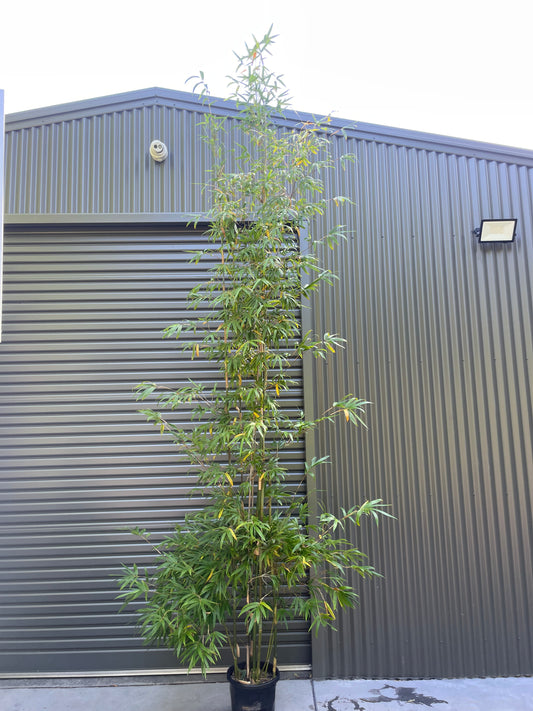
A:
(192, 102)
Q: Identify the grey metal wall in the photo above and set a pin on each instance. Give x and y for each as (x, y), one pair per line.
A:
(97, 161)
(440, 339)
(440, 334)
(1, 198)
(91, 157)
(84, 311)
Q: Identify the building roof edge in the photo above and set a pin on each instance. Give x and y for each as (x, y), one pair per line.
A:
(193, 102)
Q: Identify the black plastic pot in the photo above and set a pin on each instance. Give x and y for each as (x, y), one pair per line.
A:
(252, 697)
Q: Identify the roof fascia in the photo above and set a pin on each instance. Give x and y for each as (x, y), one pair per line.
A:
(103, 105)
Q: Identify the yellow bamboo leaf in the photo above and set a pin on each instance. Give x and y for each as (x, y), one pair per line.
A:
(330, 347)
(220, 513)
(347, 415)
(229, 478)
(277, 389)
(232, 533)
(329, 610)
(197, 349)
(210, 575)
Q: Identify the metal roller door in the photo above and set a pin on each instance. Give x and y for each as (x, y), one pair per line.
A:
(83, 312)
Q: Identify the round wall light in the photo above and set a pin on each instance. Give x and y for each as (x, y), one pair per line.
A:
(158, 151)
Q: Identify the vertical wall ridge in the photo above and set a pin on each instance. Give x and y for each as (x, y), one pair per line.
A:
(442, 331)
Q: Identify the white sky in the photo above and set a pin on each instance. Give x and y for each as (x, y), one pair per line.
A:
(460, 67)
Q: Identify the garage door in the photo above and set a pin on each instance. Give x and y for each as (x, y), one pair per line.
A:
(83, 312)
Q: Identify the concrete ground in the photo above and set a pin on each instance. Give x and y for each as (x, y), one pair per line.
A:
(513, 694)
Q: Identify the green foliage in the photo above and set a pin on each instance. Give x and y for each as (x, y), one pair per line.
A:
(252, 558)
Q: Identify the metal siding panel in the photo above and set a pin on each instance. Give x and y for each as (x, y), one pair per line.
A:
(441, 342)
(100, 164)
(92, 157)
(1, 199)
(79, 465)
(439, 338)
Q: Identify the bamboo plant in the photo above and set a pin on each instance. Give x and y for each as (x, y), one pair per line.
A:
(234, 572)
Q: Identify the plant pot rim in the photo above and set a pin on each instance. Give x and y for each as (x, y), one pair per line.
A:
(241, 683)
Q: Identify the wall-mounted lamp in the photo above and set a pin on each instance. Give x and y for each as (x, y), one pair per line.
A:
(496, 231)
(158, 151)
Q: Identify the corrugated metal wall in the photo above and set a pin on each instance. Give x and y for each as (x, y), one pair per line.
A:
(100, 164)
(440, 339)
(84, 311)
(1, 198)
(92, 157)
(440, 333)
